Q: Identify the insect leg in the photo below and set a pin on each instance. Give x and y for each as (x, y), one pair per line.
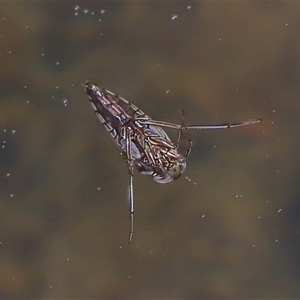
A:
(130, 185)
(198, 127)
(188, 151)
(180, 130)
(223, 126)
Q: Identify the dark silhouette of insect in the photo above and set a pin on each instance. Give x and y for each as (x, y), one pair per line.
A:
(141, 140)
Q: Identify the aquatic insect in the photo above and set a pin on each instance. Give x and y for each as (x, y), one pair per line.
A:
(141, 140)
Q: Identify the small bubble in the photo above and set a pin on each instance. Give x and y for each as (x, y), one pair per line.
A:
(98, 188)
(27, 101)
(100, 20)
(85, 11)
(174, 17)
(276, 241)
(92, 13)
(189, 7)
(7, 174)
(203, 216)
(279, 210)
(57, 63)
(11, 195)
(76, 7)
(13, 131)
(64, 101)
(220, 40)
(25, 86)
(168, 91)
(102, 11)
(286, 24)
(76, 14)
(57, 87)
(274, 110)
(187, 178)
(4, 130)
(43, 54)
(4, 142)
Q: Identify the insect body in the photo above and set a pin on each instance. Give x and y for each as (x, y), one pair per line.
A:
(141, 140)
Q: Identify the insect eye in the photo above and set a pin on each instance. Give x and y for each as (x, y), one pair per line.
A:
(178, 169)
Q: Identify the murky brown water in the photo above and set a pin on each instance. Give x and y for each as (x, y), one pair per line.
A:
(231, 230)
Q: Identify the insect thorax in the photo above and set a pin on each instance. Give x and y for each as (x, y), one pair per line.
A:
(153, 153)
